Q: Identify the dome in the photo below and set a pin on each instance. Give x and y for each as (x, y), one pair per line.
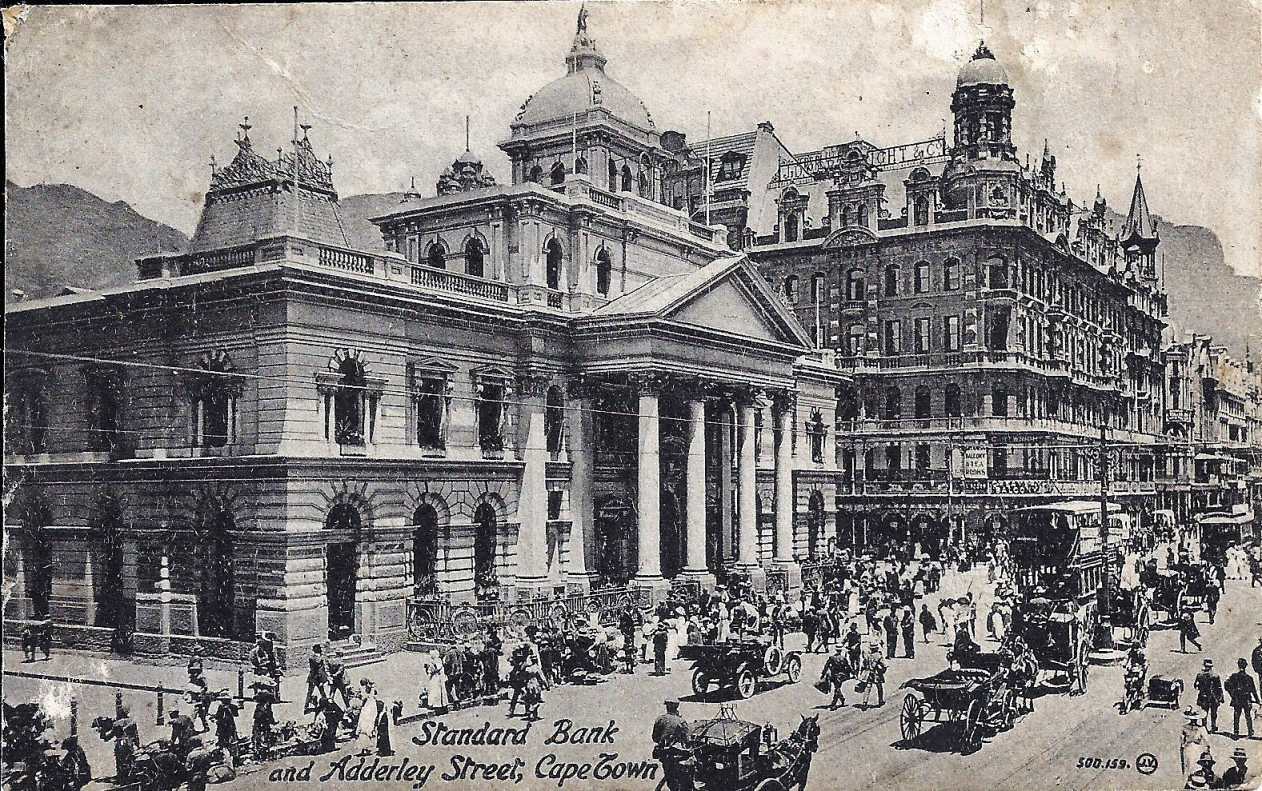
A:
(468, 158)
(582, 90)
(983, 69)
(585, 87)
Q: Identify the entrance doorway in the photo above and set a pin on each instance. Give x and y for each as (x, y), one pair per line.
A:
(217, 597)
(340, 584)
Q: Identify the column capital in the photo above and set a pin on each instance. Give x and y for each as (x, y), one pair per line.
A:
(784, 399)
(533, 385)
(647, 383)
(693, 388)
(581, 386)
(747, 396)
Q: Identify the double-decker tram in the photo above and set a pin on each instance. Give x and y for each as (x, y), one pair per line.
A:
(1221, 530)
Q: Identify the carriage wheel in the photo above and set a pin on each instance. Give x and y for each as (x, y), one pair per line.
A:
(148, 776)
(793, 669)
(911, 717)
(770, 784)
(745, 683)
(700, 682)
(971, 737)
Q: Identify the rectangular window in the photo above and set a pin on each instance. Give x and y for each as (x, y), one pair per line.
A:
(105, 393)
(491, 415)
(922, 335)
(922, 458)
(893, 337)
(431, 411)
(951, 275)
(554, 504)
(951, 333)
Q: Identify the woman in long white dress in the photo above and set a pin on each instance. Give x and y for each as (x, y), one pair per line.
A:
(436, 682)
(366, 726)
(724, 625)
(673, 636)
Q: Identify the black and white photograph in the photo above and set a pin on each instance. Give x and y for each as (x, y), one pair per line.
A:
(633, 395)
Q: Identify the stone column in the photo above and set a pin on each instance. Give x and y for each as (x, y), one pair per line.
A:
(786, 498)
(747, 540)
(648, 479)
(532, 535)
(580, 417)
(726, 550)
(695, 566)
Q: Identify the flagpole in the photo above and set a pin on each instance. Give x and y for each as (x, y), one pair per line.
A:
(707, 168)
(574, 145)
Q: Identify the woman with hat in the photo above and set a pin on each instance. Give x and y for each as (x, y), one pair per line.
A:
(436, 682)
(366, 725)
(1193, 740)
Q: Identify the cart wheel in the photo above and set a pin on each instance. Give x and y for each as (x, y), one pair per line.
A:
(770, 784)
(911, 717)
(971, 737)
(1080, 677)
(793, 669)
(700, 682)
(745, 683)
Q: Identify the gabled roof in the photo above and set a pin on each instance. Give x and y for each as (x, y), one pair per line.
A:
(727, 295)
(1139, 223)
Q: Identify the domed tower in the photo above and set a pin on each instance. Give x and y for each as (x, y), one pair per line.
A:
(589, 123)
(982, 105)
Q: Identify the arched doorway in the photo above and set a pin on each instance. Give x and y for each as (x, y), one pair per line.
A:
(216, 595)
(814, 523)
(425, 551)
(485, 528)
(341, 569)
(113, 610)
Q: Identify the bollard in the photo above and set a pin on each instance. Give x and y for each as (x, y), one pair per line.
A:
(118, 704)
(240, 683)
(74, 717)
(159, 719)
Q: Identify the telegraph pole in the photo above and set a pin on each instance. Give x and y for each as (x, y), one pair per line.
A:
(1105, 595)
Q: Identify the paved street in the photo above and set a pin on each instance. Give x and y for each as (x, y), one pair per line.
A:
(858, 748)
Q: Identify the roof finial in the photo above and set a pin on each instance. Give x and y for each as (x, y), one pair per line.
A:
(1139, 162)
(581, 29)
(295, 137)
(214, 166)
(245, 128)
(466, 133)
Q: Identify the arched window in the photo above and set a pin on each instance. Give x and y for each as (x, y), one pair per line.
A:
(855, 338)
(845, 216)
(425, 550)
(580, 165)
(923, 401)
(856, 288)
(863, 214)
(893, 404)
(554, 419)
(791, 227)
(613, 176)
(554, 256)
(999, 400)
(536, 174)
(791, 289)
(215, 395)
(951, 274)
(604, 272)
(484, 541)
(891, 281)
(922, 277)
(557, 176)
(951, 400)
(436, 256)
(474, 258)
(626, 178)
(921, 209)
(646, 184)
(817, 287)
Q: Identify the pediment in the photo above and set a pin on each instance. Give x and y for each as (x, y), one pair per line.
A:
(729, 308)
(850, 237)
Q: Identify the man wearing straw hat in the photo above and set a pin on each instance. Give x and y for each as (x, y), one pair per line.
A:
(1235, 775)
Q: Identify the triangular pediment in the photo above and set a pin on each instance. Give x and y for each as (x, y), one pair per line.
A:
(728, 308)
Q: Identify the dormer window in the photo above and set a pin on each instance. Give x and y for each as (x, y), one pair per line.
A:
(214, 401)
(731, 166)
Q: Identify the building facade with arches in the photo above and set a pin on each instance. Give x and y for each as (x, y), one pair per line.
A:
(550, 385)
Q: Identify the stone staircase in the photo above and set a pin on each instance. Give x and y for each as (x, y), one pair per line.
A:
(358, 653)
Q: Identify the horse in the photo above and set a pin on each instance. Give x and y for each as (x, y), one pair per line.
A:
(798, 749)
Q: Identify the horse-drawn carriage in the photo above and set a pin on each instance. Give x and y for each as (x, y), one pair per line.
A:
(1128, 609)
(735, 755)
(1058, 636)
(1167, 589)
(980, 698)
(1197, 578)
(740, 665)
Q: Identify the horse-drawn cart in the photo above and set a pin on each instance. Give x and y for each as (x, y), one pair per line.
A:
(740, 665)
(735, 755)
(1058, 635)
(981, 701)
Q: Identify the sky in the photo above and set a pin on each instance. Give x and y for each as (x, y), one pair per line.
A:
(130, 103)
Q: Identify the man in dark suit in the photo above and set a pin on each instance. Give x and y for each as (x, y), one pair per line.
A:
(1209, 693)
(317, 680)
(1243, 692)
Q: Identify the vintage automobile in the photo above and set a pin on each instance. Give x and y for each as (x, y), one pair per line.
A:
(736, 755)
(981, 700)
(740, 666)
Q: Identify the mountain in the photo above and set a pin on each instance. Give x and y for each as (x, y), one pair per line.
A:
(57, 235)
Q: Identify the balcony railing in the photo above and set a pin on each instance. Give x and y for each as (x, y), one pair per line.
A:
(429, 277)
